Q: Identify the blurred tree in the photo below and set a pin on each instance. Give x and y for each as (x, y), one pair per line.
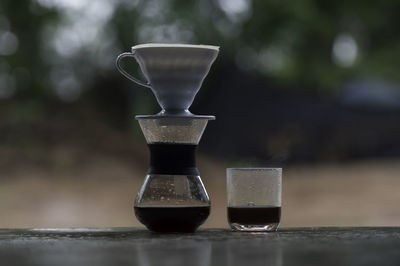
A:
(311, 43)
(22, 68)
(58, 47)
(59, 54)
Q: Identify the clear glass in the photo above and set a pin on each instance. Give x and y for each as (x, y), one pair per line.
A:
(172, 190)
(173, 130)
(254, 198)
(172, 203)
(169, 202)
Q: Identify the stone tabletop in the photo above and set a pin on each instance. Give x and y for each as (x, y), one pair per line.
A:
(135, 246)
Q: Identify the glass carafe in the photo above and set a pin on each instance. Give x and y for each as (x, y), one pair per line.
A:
(172, 197)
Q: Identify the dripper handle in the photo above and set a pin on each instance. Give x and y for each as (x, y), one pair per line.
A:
(126, 74)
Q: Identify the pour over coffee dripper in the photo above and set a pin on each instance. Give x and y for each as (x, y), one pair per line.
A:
(172, 197)
(174, 72)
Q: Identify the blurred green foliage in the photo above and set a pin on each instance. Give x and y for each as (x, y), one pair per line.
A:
(52, 50)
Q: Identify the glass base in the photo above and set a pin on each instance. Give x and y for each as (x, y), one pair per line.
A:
(272, 227)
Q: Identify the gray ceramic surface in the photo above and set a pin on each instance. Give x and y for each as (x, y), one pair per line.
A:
(174, 72)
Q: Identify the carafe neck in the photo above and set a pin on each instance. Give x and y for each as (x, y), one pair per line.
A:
(172, 159)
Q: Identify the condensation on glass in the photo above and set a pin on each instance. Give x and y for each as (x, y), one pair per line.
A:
(172, 193)
(254, 198)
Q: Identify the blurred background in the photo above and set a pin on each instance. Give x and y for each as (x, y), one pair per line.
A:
(310, 86)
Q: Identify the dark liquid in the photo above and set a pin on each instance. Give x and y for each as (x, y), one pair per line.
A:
(173, 159)
(172, 219)
(254, 215)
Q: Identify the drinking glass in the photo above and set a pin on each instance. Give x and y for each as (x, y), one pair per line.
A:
(254, 198)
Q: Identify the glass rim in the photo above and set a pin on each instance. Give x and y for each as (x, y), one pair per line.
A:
(254, 169)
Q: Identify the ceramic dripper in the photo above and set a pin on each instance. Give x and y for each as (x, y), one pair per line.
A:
(174, 72)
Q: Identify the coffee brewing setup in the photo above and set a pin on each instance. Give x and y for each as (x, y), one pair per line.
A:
(172, 197)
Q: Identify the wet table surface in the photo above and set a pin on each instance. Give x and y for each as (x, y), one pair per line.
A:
(135, 246)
